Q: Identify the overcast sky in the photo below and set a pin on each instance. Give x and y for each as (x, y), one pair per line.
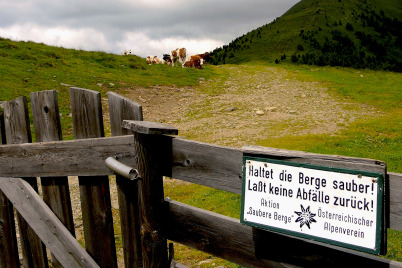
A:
(146, 27)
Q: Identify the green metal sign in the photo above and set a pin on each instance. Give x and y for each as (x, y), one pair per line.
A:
(336, 206)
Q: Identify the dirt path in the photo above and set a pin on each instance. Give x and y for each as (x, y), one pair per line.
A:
(249, 104)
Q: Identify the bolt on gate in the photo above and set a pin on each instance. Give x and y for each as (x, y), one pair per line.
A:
(140, 154)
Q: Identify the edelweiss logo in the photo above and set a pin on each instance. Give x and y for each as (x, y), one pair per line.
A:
(305, 217)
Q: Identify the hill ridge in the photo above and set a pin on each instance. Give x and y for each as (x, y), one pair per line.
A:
(358, 34)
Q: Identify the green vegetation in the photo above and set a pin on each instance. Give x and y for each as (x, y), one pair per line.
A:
(28, 67)
(358, 34)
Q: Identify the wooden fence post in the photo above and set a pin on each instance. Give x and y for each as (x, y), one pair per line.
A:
(121, 108)
(96, 206)
(8, 239)
(56, 194)
(18, 131)
(153, 153)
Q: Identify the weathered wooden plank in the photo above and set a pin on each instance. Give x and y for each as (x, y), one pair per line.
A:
(84, 157)
(86, 109)
(18, 131)
(45, 224)
(94, 191)
(46, 116)
(16, 119)
(56, 194)
(210, 165)
(153, 158)
(395, 208)
(205, 164)
(121, 108)
(152, 128)
(8, 238)
(317, 159)
(2, 129)
(226, 238)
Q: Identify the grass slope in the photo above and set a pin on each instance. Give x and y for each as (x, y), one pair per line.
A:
(359, 34)
(28, 67)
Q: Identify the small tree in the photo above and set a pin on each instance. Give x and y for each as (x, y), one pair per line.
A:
(300, 47)
(349, 27)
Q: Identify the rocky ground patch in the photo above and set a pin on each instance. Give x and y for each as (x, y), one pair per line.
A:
(249, 105)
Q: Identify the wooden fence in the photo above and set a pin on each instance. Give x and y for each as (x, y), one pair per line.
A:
(147, 219)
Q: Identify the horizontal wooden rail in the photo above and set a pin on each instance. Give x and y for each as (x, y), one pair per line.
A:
(85, 157)
(205, 164)
(226, 238)
(46, 225)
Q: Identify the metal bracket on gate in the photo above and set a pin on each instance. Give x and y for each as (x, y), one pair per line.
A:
(122, 169)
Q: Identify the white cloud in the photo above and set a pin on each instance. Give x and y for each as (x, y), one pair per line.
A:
(144, 26)
(86, 38)
(142, 45)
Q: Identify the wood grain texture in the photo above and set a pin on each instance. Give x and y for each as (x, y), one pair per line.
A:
(8, 240)
(85, 157)
(226, 238)
(205, 164)
(8, 237)
(153, 160)
(16, 119)
(146, 127)
(395, 197)
(2, 129)
(18, 131)
(94, 191)
(45, 224)
(86, 109)
(46, 116)
(121, 108)
(56, 194)
(336, 161)
(210, 165)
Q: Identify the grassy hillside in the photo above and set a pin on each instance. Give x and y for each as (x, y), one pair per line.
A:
(28, 67)
(355, 33)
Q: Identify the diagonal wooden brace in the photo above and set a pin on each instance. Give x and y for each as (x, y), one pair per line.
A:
(45, 223)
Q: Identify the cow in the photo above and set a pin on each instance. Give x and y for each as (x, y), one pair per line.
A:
(192, 63)
(157, 60)
(203, 58)
(166, 59)
(179, 54)
(150, 59)
(153, 60)
(127, 52)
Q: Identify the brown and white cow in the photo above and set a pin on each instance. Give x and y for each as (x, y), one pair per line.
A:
(153, 60)
(192, 63)
(179, 54)
(203, 58)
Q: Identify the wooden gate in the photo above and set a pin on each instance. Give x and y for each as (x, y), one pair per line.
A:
(147, 219)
